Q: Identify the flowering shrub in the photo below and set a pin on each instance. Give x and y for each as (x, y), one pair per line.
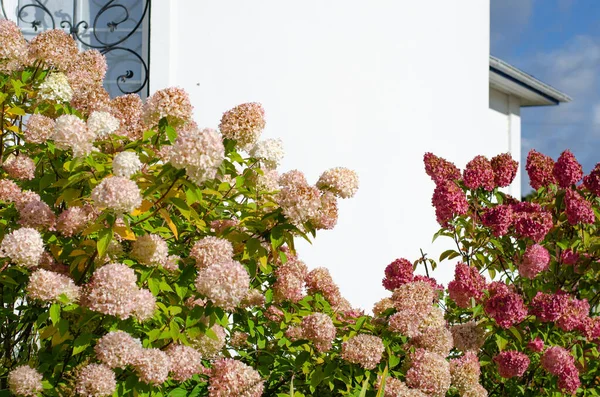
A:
(533, 320)
(143, 255)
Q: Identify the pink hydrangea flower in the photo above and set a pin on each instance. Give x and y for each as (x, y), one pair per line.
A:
(556, 359)
(440, 170)
(13, 54)
(498, 218)
(504, 305)
(244, 124)
(20, 167)
(511, 363)
(290, 281)
(569, 257)
(449, 201)
(434, 339)
(397, 273)
(505, 169)
(567, 170)
(532, 221)
(548, 307)
(536, 345)
(574, 314)
(429, 372)
(341, 181)
(152, 366)
(465, 373)
(117, 349)
(539, 167)
(55, 47)
(185, 362)
(319, 280)
(96, 380)
(231, 377)
(210, 250)
(365, 350)
(578, 209)
(536, 259)
(25, 381)
(224, 283)
(172, 103)
(479, 173)
(592, 181)
(467, 284)
(468, 336)
(319, 329)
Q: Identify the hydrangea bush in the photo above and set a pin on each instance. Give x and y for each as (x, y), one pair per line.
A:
(143, 255)
(525, 296)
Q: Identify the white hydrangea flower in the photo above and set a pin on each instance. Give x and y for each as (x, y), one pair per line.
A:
(70, 132)
(126, 164)
(270, 151)
(120, 194)
(102, 124)
(56, 88)
(23, 246)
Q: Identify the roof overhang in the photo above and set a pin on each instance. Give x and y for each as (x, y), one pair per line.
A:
(531, 91)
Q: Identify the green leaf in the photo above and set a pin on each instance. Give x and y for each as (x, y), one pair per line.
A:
(382, 384)
(105, 236)
(171, 134)
(365, 386)
(317, 377)
(55, 313)
(179, 392)
(501, 342)
(81, 343)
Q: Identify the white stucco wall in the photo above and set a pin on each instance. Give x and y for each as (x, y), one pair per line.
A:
(371, 86)
(504, 127)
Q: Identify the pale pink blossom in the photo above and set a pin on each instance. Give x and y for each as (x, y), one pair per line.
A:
(117, 349)
(244, 124)
(224, 283)
(96, 380)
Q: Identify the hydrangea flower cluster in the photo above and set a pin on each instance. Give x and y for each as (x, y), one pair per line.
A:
(20, 167)
(170, 103)
(429, 372)
(56, 88)
(290, 281)
(363, 349)
(102, 124)
(23, 246)
(504, 305)
(244, 124)
(558, 361)
(113, 290)
(540, 168)
(117, 349)
(319, 329)
(70, 132)
(440, 170)
(536, 259)
(25, 381)
(13, 54)
(96, 380)
(269, 151)
(567, 170)
(511, 363)
(467, 284)
(224, 283)
(117, 193)
(342, 182)
(150, 250)
(479, 173)
(48, 286)
(505, 169)
(233, 378)
(449, 201)
(211, 250)
(199, 152)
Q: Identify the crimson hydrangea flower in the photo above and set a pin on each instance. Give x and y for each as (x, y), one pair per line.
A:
(397, 273)
(505, 169)
(532, 221)
(568, 257)
(479, 173)
(504, 305)
(578, 209)
(574, 314)
(440, 170)
(511, 363)
(467, 284)
(536, 345)
(539, 168)
(558, 361)
(535, 260)
(498, 218)
(449, 201)
(548, 307)
(567, 169)
(592, 181)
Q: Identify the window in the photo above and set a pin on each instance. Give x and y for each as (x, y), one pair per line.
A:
(117, 28)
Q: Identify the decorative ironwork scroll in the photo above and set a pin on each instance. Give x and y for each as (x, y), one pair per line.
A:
(119, 29)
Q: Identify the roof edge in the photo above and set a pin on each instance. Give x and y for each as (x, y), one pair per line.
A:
(507, 70)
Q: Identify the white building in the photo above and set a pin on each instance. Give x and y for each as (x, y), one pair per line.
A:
(367, 85)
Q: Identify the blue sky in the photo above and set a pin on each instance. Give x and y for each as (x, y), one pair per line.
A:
(557, 41)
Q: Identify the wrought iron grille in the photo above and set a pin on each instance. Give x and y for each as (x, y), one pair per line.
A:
(117, 28)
